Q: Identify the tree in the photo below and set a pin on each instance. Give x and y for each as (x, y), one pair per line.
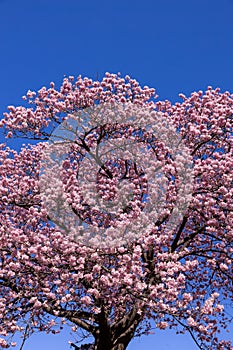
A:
(176, 274)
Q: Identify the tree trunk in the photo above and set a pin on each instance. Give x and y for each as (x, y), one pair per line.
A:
(120, 347)
(112, 347)
(118, 335)
(105, 341)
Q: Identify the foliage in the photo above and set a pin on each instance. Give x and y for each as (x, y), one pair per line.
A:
(178, 277)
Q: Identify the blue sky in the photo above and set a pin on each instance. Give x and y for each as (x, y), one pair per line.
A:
(174, 46)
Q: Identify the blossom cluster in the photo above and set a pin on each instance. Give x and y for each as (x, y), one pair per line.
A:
(173, 276)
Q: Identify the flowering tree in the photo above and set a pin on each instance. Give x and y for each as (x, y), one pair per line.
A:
(175, 274)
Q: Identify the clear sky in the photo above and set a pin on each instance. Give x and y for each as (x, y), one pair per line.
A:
(172, 45)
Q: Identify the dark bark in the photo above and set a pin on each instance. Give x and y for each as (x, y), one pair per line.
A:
(119, 335)
(102, 344)
(97, 346)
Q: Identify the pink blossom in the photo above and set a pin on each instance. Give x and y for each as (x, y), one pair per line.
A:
(169, 274)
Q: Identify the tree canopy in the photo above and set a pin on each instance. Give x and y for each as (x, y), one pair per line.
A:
(166, 272)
